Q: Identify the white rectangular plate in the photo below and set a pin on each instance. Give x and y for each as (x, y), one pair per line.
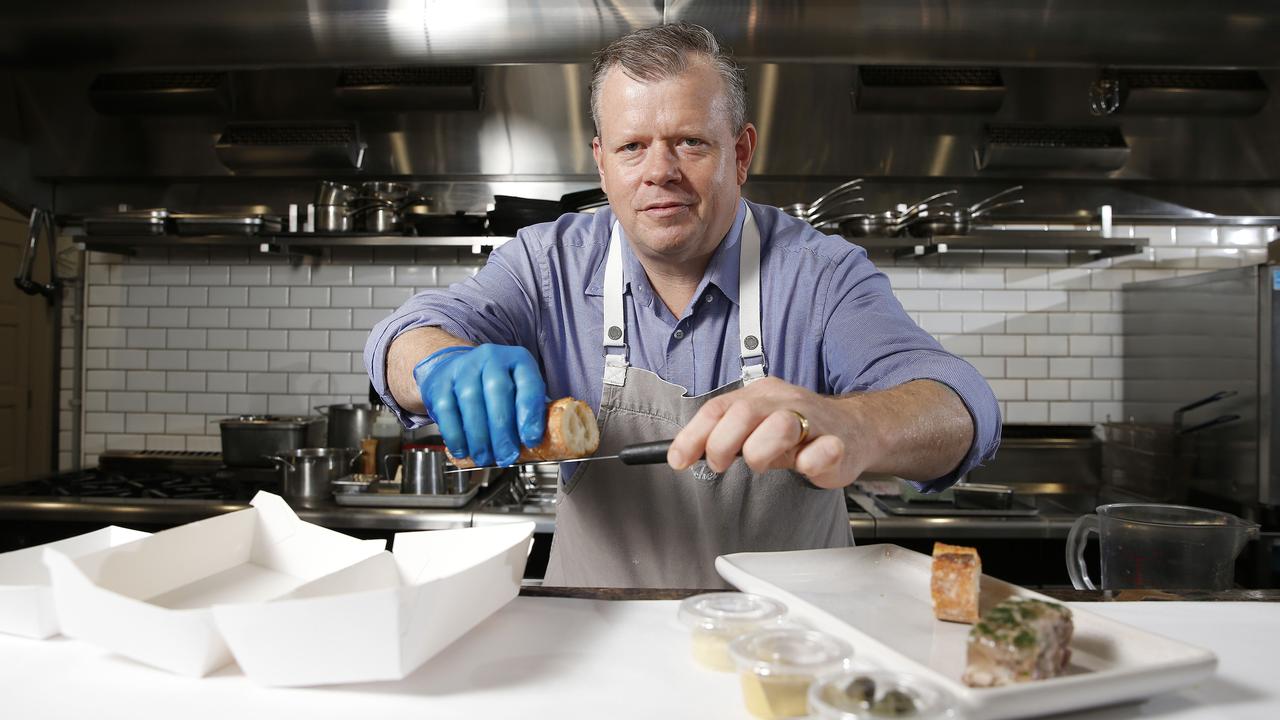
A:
(877, 598)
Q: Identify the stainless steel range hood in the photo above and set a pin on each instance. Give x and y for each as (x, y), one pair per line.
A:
(145, 102)
(150, 34)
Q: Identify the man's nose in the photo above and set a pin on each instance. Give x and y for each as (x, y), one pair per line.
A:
(661, 165)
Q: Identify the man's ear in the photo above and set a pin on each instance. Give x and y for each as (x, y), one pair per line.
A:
(597, 153)
(744, 150)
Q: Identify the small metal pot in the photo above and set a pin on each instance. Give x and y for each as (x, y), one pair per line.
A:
(379, 190)
(307, 474)
(348, 423)
(334, 218)
(378, 217)
(335, 193)
(248, 440)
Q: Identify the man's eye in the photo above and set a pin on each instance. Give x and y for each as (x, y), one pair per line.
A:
(692, 142)
(631, 147)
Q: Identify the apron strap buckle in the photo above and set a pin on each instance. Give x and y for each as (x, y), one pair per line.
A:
(615, 369)
(755, 371)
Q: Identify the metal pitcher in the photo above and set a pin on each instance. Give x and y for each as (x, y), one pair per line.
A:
(424, 473)
(349, 423)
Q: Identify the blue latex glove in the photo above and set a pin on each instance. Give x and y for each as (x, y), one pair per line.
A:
(487, 400)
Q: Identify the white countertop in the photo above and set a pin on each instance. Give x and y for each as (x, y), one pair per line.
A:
(564, 658)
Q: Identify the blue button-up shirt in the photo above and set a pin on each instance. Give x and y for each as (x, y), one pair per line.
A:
(829, 319)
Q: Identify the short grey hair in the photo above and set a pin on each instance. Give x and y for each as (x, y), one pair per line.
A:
(665, 51)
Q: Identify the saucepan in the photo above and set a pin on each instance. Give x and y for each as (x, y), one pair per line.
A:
(825, 204)
(889, 223)
(307, 474)
(334, 206)
(381, 205)
(950, 220)
(882, 224)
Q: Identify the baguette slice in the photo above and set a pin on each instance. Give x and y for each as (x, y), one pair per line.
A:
(954, 584)
(571, 433)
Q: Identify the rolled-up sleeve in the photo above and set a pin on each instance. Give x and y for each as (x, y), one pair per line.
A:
(499, 305)
(870, 343)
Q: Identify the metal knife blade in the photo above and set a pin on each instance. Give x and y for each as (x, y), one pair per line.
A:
(649, 453)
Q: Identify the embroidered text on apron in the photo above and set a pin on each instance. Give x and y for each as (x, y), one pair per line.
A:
(650, 526)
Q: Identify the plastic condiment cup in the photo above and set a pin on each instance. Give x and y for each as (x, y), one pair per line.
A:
(877, 694)
(716, 619)
(778, 666)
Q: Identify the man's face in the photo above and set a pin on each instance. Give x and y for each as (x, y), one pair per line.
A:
(670, 160)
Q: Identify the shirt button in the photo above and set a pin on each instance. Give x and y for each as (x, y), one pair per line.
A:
(678, 334)
(710, 297)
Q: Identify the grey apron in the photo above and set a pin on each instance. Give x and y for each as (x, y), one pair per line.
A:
(651, 526)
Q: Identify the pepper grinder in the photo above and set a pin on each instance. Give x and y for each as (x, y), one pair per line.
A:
(386, 430)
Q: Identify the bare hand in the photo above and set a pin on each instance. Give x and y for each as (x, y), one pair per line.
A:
(760, 423)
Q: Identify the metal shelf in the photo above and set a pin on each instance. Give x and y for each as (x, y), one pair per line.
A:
(1094, 244)
(284, 243)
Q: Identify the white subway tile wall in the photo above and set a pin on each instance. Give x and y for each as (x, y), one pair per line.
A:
(174, 342)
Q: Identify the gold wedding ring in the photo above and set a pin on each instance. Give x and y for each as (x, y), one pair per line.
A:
(804, 427)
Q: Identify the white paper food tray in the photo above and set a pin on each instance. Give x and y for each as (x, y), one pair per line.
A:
(877, 598)
(382, 618)
(150, 600)
(26, 602)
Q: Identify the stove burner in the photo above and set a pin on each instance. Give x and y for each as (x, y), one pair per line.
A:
(215, 483)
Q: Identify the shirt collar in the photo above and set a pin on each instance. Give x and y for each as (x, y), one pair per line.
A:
(722, 271)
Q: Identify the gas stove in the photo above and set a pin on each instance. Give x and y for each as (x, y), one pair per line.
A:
(156, 475)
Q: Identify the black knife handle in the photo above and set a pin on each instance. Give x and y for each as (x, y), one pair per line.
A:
(650, 453)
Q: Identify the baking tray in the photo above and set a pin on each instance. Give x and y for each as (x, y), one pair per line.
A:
(877, 597)
(131, 223)
(359, 493)
(897, 506)
(210, 224)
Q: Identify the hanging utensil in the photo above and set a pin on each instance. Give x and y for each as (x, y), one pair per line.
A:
(41, 221)
(1177, 414)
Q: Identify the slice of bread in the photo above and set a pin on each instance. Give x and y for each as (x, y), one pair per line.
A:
(571, 433)
(957, 571)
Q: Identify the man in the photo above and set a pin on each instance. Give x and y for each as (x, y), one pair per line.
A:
(684, 312)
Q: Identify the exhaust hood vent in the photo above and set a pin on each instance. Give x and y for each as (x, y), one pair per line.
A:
(931, 89)
(410, 88)
(161, 93)
(1179, 92)
(249, 147)
(1052, 147)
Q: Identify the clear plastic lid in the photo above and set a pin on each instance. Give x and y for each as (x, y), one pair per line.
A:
(790, 651)
(730, 611)
(876, 694)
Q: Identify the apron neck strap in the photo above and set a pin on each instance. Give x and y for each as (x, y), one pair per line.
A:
(750, 339)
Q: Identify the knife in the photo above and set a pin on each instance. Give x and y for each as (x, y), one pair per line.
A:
(647, 453)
